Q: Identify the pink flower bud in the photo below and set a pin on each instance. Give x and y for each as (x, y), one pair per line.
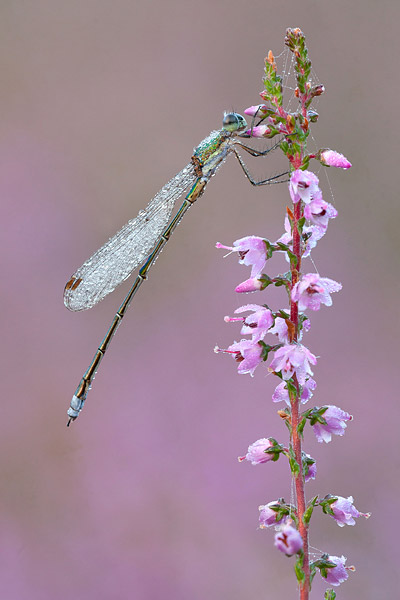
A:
(259, 131)
(250, 285)
(256, 111)
(256, 452)
(330, 158)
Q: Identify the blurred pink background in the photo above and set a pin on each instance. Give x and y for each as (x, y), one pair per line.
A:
(102, 102)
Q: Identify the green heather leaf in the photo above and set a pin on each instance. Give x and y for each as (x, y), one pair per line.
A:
(270, 251)
(313, 571)
(281, 280)
(291, 387)
(307, 515)
(313, 501)
(284, 146)
(331, 499)
(265, 280)
(266, 349)
(288, 425)
(330, 565)
(296, 148)
(292, 258)
(330, 595)
(282, 246)
(294, 465)
(302, 135)
(309, 511)
(298, 569)
(301, 425)
(326, 509)
(300, 224)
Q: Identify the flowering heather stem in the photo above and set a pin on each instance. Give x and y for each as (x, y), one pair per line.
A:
(305, 224)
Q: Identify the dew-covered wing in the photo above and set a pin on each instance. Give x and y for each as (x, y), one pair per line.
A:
(115, 261)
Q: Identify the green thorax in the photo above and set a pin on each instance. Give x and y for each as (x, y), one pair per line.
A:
(210, 145)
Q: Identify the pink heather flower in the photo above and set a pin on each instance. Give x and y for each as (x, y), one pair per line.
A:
(293, 358)
(280, 329)
(259, 131)
(288, 540)
(311, 469)
(259, 110)
(318, 212)
(247, 353)
(303, 186)
(336, 575)
(287, 237)
(335, 423)
(267, 516)
(281, 392)
(330, 158)
(316, 234)
(308, 390)
(252, 252)
(345, 512)
(312, 291)
(256, 452)
(256, 324)
(250, 285)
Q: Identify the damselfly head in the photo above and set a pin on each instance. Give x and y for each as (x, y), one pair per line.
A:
(234, 122)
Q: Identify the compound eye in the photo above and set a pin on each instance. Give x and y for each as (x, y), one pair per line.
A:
(233, 122)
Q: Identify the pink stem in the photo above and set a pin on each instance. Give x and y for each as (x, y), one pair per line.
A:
(295, 404)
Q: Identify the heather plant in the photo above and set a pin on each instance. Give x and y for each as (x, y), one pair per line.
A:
(277, 335)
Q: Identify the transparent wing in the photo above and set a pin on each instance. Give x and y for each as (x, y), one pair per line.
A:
(115, 261)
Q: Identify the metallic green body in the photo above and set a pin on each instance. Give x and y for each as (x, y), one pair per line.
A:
(210, 145)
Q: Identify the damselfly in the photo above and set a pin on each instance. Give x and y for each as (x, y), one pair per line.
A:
(148, 233)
